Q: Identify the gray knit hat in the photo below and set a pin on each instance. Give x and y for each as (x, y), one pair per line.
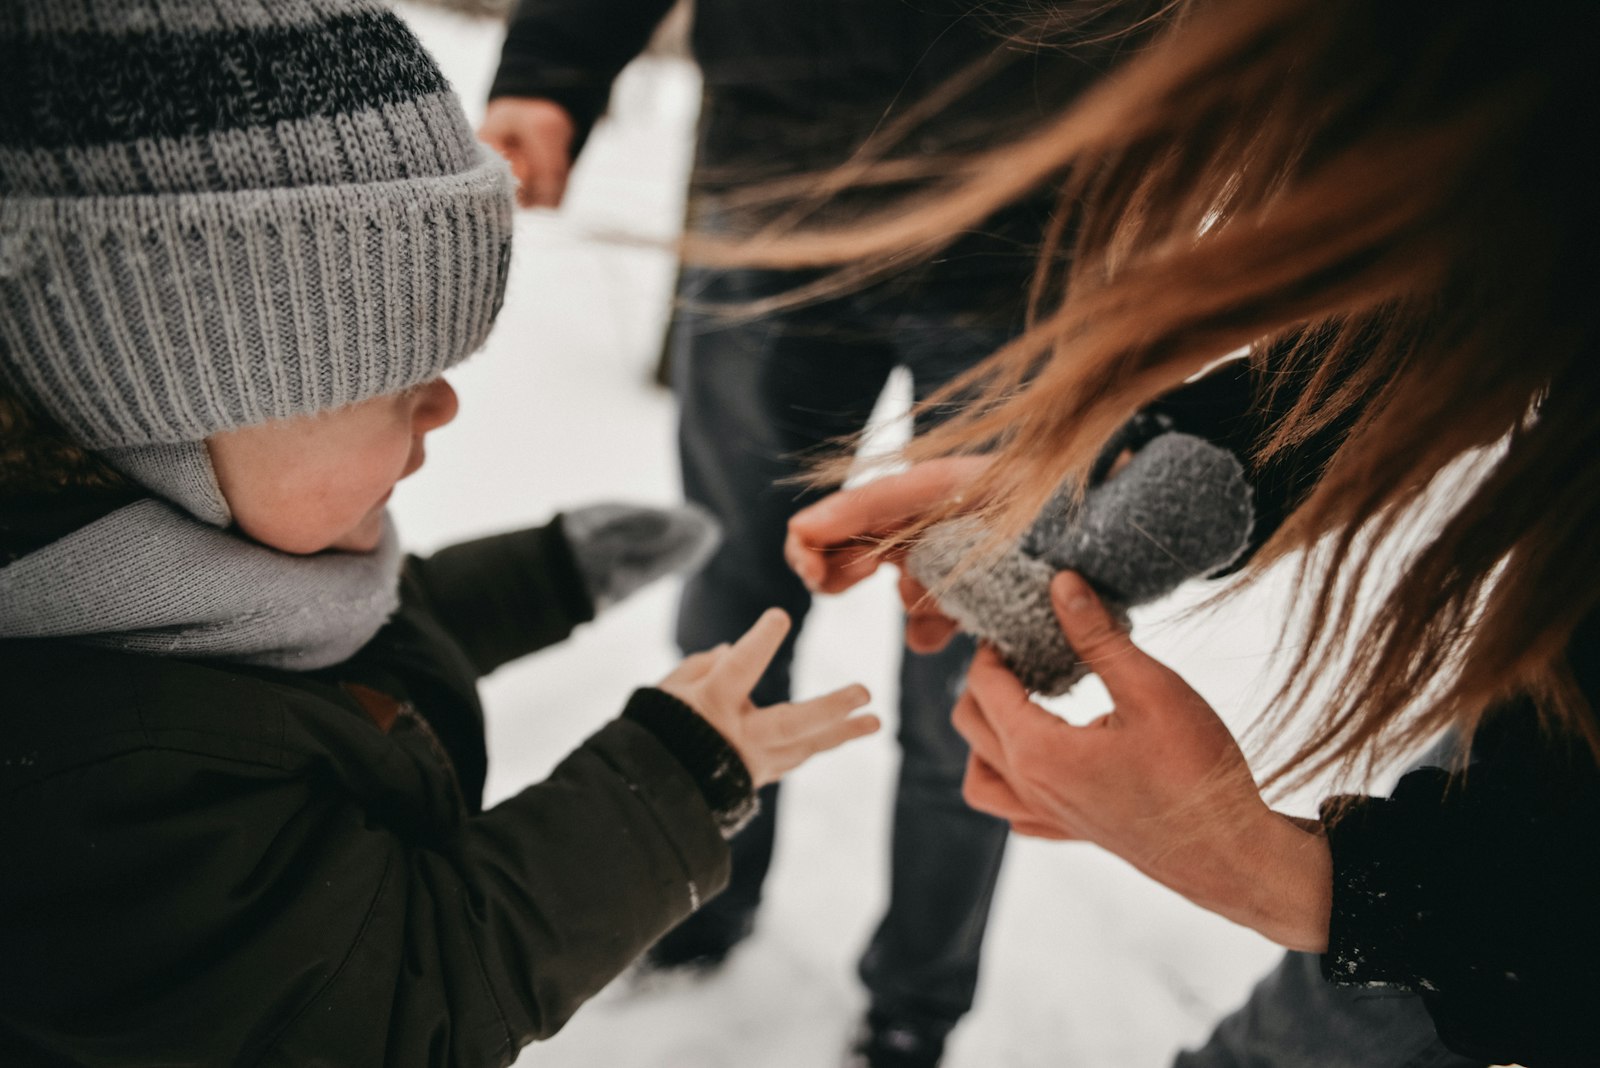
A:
(217, 214)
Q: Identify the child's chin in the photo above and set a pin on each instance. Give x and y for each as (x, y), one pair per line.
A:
(363, 539)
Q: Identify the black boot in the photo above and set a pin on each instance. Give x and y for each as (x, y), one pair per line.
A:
(884, 1041)
(699, 944)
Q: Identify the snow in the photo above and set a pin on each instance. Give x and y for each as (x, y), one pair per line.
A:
(1087, 963)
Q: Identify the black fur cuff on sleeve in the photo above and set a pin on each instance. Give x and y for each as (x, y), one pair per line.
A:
(723, 779)
(1378, 932)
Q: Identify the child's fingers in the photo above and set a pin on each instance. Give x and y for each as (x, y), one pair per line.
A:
(789, 756)
(787, 735)
(838, 733)
(695, 666)
(741, 667)
(798, 720)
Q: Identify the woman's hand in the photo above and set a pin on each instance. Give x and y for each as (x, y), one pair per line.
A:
(775, 740)
(1158, 781)
(835, 543)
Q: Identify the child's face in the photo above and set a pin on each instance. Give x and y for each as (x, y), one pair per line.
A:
(321, 481)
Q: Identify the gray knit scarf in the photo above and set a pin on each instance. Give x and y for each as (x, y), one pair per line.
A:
(149, 578)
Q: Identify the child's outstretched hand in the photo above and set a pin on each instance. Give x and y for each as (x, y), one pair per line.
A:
(775, 740)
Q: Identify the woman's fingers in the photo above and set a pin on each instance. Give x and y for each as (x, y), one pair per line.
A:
(988, 791)
(832, 568)
(1131, 676)
(1010, 718)
(831, 544)
(985, 789)
(927, 628)
(969, 721)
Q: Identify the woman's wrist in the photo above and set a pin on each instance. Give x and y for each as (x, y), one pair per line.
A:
(1288, 887)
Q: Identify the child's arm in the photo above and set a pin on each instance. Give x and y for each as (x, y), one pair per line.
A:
(506, 595)
(179, 905)
(511, 594)
(214, 869)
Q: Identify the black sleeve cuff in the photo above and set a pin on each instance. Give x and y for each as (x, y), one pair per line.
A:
(1379, 929)
(724, 780)
(584, 103)
(570, 51)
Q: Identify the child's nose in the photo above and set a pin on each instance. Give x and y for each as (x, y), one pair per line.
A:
(437, 405)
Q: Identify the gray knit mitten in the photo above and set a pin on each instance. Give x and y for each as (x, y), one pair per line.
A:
(1181, 508)
(620, 548)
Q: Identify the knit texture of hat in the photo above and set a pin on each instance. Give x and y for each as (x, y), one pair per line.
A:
(217, 214)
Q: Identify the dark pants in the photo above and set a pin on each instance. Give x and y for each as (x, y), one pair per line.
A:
(1296, 1019)
(758, 398)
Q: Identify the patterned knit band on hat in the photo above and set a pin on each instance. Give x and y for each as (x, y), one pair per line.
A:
(214, 214)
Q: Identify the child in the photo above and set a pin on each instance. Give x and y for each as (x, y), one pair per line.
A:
(241, 756)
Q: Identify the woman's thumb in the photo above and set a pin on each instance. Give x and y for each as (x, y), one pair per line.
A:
(1090, 630)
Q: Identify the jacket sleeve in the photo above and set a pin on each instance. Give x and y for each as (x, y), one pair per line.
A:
(192, 905)
(570, 51)
(1478, 890)
(507, 595)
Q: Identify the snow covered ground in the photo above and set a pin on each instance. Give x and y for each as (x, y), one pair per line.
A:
(1087, 964)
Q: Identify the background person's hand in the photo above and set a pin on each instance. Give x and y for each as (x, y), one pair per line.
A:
(1158, 780)
(834, 543)
(535, 136)
(775, 740)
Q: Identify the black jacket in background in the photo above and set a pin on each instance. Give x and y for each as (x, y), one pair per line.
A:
(797, 85)
(794, 87)
(205, 864)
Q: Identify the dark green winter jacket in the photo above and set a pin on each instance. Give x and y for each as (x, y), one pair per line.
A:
(203, 864)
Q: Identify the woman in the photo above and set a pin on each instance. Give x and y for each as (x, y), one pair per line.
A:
(1392, 205)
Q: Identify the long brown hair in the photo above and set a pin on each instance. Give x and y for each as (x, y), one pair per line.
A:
(1392, 205)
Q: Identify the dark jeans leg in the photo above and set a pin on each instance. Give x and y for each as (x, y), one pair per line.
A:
(1296, 1019)
(756, 398)
(922, 963)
